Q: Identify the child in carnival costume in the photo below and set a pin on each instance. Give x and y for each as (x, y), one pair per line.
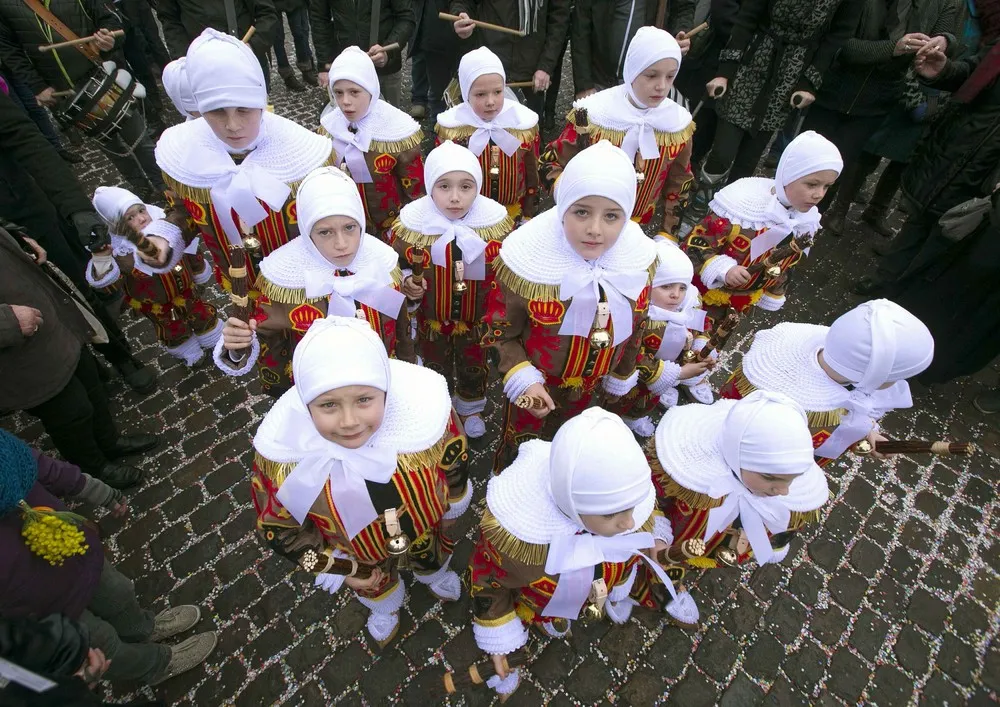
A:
(638, 116)
(737, 476)
(163, 291)
(237, 167)
(846, 376)
(749, 218)
(501, 132)
(555, 520)
(364, 452)
(574, 288)
(333, 269)
(378, 143)
(667, 334)
(455, 232)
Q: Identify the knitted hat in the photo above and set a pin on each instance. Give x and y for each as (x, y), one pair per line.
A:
(18, 471)
(672, 265)
(327, 191)
(600, 170)
(449, 157)
(353, 64)
(648, 46)
(224, 73)
(478, 62)
(178, 87)
(337, 352)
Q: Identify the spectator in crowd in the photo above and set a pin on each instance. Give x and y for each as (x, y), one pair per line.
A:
(53, 563)
(22, 96)
(339, 24)
(438, 50)
(297, 12)
(22, 32)
(140, 57)
(141, 20)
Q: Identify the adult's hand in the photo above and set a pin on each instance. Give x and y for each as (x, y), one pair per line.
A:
(717, 87)
(910, 43)
(541, 80)
(104, 40)
(464, 26)
(684, 42)
(323, 79)
(930, 62)
(378, 55)
(802, 99)
(91, 230)
(28, 318)
(41, 257)
(47, 98)
(94, 666)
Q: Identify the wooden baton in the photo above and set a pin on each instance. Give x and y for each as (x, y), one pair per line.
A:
(530, 402)
(391, 47)
(479, 673)
(678, 553)
(521, 84)
(482, 25)
(916, 446)
(250, 33)
(700, 28)
(797, 245)
(78, 41)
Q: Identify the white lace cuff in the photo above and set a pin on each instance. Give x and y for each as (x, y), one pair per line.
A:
(662, 529)
(459, 507)
(100, 262)
(225, 364)
(520, 379)
(388, 603)
(209, 339)
(770, 303)
(698, 344)
(713, 273)
(619, 386)
(670, 375)
(501, 639)
(469, 407)
(619, 611)
(203, 277)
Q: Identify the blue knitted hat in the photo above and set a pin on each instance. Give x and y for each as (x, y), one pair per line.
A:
(18, 471)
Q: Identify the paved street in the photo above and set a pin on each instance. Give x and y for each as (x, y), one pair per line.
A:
(892, 600)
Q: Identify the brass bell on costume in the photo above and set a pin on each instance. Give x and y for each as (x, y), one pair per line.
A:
(460, 284)
(494, 161)
(862, 447)
(592, 612)
(600, 337)
(726, 556)
(640, 170)
(773, 272)
(398, 545)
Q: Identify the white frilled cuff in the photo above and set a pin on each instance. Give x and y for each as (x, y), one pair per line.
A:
(619, 611)
(713, 273)
(769, 303)
(501, 638)
(225, 364)
(203, 277)
(459, 507)
(619, 386)
(662, 529)
(670, 375)
(504, 686)
(98, 263)
(520, 379)
(698, 344)
(469, 407)
(209, 339)
(388, 603)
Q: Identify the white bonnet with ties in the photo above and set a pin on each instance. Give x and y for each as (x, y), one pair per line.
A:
(337, 352)
(224, 73)
(599, 170)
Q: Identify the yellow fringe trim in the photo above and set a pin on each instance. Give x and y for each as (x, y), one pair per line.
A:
(719, 298)
(390, 147)
(672, 489)
(801, 518)
(509, 545)
(599, 132)
(496, 232)
(823, 418)
(532, 290)
(204, 196)
(704, 563)
(458, 328)
(464, 132)
(493, 623)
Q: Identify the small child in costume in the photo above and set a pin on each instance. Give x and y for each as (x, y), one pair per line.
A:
(666, 335)
(455, 233)
(333, 269)
(164, 292)
(638, 116)
(738, 476)
(749, 218)
(574, 287)
(363, 453)
(178, 88)
(556, 519)
(846, 376)
(501, 132)
(378, 143)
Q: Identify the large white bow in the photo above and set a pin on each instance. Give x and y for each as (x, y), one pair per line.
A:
(757, 515)
(785, 221)
(473, 247)
(641, 138)
(583, 285)
(347, 470)
(352, 147)
(344, 291)
(862, 411)
(239, 190)
(675, 332)
(495, 130)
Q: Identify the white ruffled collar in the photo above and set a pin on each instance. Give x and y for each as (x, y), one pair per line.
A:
(539, 252)
(485, 213)
(515, 116)
(612, 109)
(689, 448)
(751, 203)
(288, 265)
(384, 122)
(417, 411)
(191, 154)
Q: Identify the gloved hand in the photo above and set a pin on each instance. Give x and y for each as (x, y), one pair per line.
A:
(92, 230)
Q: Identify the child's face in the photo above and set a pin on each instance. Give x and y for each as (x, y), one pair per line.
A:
(610, 524)
(669, 297)
(348, 416)
(454, 193)
(486, 96)
(593, 225)
(767, 485)
(806, 192)
(352, 99)
(337, 238)
(137, 217)
(653, 84)
(237, 127)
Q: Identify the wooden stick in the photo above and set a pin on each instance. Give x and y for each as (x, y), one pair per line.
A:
(77, 42)
(482, 25)
(250, 33)
(530, 402)
(391, 47)
(418, 268)
(63, 94)
(700, 28)
(916, 446)
(719, 335)
(479, 673)
(797, 245)
(521, 84)
(677, 553)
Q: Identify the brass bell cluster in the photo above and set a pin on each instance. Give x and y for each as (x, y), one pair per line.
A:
(600, 337)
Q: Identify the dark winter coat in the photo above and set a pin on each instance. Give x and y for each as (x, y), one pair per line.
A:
(433, 34)
(596, 61)
(183, 20)
(957, 160)
(338, 24)
(866, 79)
(521, 56)
(778, 47)
(20, 37)
(54, 645)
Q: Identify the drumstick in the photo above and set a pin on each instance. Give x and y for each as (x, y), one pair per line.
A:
(76, 42)
(484, 25)
(520, 84)
(390, 47)
(248, 35)
(63, 94)
(700, 28)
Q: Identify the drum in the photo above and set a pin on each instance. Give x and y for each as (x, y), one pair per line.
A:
(101, 105)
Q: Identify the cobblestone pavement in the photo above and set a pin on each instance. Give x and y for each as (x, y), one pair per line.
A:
(892, 600)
